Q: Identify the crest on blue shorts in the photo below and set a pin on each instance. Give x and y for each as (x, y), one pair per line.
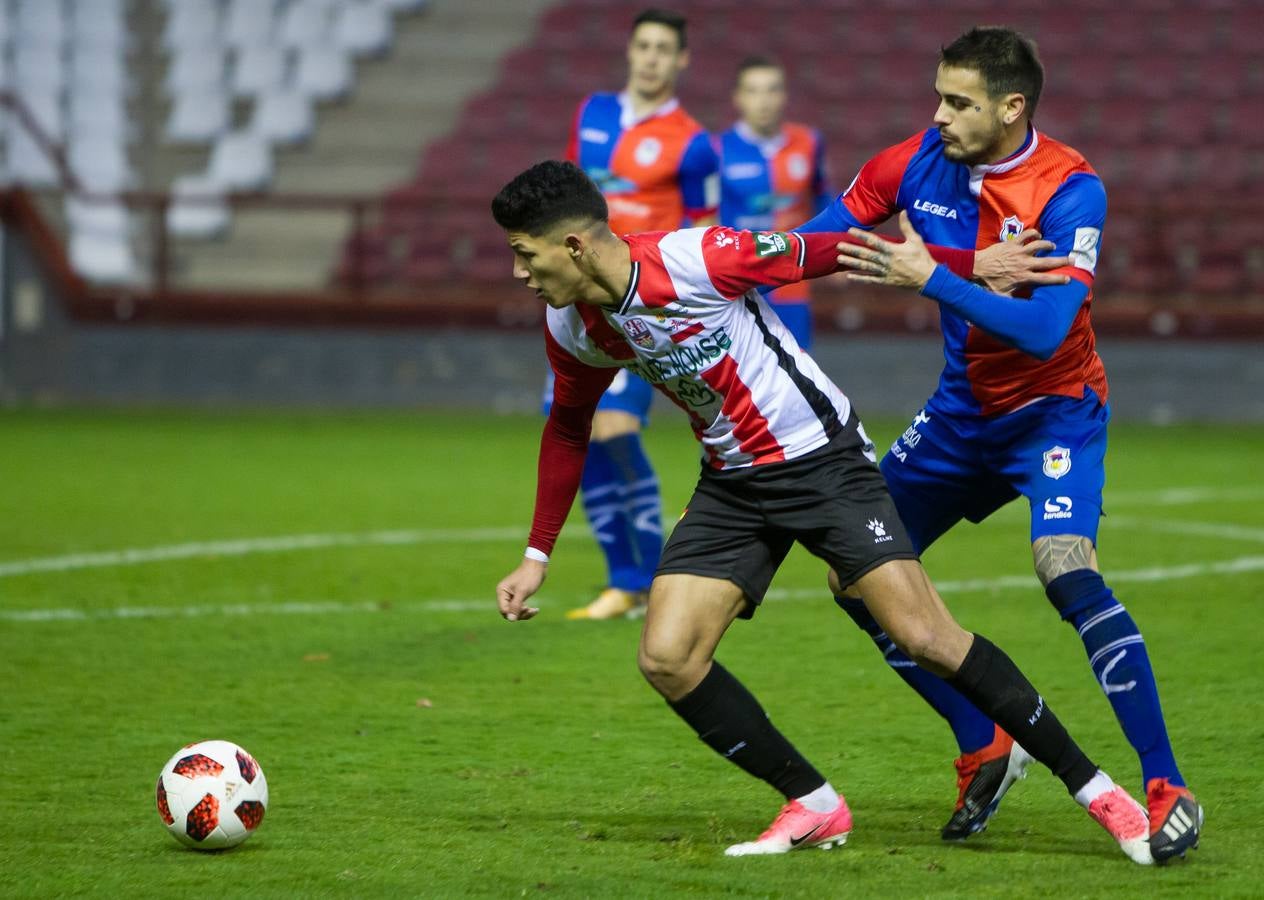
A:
(1057, 462)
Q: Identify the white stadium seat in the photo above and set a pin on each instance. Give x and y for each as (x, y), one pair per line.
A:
(38, 67)
(305, 22)
(259, 69)
(102, 217)
(27, 163)
(45, 108)
(198, 116)
(250, 23)
(323, 72)
(363, 28)
(240, 161)
(97, 113)
(196, 68)
(190, 24)
(283, 117)
(189, 219)
(40, 22)
(102, 257)
(100, 164)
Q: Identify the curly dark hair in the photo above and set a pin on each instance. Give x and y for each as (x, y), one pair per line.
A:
(1006, 60)
(546, 194)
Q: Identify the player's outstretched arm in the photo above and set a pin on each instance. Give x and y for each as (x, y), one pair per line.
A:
(516, 588)
(1036, 326)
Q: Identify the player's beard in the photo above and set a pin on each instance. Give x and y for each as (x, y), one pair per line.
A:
(987, 148)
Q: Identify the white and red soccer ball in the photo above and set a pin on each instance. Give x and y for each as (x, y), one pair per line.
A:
(212, 795)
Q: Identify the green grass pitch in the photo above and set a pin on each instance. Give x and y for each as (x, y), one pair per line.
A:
(153, 592)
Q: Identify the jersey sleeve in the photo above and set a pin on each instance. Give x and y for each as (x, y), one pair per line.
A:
(700, 178)
(737, 261)
(1073, 219)
(873, 195)
(577, 388)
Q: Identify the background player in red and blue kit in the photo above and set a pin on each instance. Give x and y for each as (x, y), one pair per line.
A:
(1021, 404)
(657, 169)
(772, 175)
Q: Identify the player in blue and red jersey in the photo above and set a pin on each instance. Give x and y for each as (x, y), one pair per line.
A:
(658, 171)
(1021, 407)
(772, 175)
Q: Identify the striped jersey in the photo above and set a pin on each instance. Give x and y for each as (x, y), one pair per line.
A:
(1045, 185)
(657, 172)
(692, 324)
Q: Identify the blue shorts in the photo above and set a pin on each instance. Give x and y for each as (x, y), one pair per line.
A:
(627, 393)
(947, 468)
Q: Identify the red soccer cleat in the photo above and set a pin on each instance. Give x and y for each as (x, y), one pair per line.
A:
(1176, 819)
(983, 777)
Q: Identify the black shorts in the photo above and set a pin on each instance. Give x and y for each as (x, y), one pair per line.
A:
(741, 523)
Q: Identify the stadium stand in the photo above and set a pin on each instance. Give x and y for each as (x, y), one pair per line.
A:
(1165, 102)
(419, 109)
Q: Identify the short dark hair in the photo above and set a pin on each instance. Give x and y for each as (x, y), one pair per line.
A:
(757, 61)
(546, 194)
(1006, 60)
(673, 20)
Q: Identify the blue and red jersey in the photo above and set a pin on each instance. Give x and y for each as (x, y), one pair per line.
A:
(657, 173)
(1046, 185)
(772, 183)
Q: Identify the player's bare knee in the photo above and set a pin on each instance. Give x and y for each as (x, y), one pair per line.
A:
(1055, 555)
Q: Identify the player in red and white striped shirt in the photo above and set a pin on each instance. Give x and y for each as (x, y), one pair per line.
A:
(785, 460)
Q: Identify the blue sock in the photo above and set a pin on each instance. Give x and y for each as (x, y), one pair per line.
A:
(602, 487)
(642, 507)
(1118, 657)
(972, 729)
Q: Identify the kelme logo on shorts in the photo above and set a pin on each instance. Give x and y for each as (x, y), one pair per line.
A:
(771, 243)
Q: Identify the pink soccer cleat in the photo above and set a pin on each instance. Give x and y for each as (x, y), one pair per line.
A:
(1127, 822)
(797, 827)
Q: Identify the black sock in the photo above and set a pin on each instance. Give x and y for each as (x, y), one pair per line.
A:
(994, 684)
(731, 722)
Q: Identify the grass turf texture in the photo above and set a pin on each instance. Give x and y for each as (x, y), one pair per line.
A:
(415, 744)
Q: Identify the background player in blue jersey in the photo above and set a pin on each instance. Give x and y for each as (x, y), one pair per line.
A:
(772, 175)
(1021, 405)
(657, 170)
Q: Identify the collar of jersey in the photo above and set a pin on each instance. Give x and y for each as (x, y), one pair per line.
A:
(634, 278)
(626, 118)
(1010, 162)
(768, 146)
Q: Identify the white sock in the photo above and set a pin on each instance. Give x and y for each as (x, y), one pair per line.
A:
(822, 800)
(1097, 785)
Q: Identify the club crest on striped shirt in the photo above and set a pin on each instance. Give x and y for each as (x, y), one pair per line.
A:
(639, 332)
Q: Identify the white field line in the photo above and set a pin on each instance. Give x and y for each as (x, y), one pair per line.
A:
(1241, 565)
(248, 546)
(1189, 529)
(290, 543)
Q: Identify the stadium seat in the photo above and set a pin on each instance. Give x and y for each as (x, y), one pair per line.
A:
(283, 117)
(259, 68)
(189, 23)
(39, 23)
(196, 68)
(100, 164)
(323, 72)
(363, 29)
(250, 24)
(97, 113)
(27, 162)
(101, 256)
(198, 116)
(304, 23)
(38, 67)
(196, 219)
(240, 160)
(98, 68)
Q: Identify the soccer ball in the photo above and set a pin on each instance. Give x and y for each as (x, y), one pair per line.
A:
(212, 795)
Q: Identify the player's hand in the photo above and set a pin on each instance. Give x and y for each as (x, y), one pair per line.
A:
(517, 587)
(1009, 264)
(879, 261)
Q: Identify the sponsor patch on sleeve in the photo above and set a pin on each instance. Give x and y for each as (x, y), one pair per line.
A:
(1084, 250)
(771, 243)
